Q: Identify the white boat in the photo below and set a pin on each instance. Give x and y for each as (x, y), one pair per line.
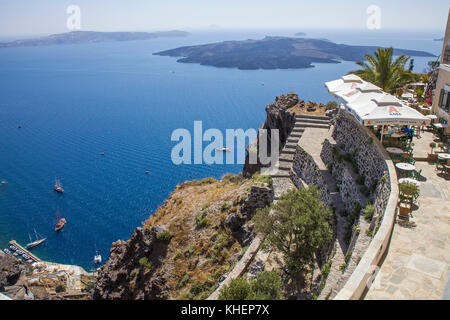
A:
(223, 149)
(98, 258)
(35, 243)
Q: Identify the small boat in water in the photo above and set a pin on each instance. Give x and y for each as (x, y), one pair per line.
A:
(35, 243)
(4, 182)
(58, 186)
(97, 258)
(223, 149)
(61, 222)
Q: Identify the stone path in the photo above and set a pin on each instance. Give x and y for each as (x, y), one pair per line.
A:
(311, 142)
(418, 260)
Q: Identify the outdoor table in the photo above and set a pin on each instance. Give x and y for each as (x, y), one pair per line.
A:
(440, 125)
(444, 156)
(409, 180)
(394, 150)
(405, 166)
(397, 135)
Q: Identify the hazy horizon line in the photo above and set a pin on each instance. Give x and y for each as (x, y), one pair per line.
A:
(235, 29)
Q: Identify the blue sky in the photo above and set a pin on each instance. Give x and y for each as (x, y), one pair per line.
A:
(28, 17)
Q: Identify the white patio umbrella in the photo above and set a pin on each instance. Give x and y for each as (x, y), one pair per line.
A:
(346, 83)
(385, 110)
(361, 94)
(395, 115)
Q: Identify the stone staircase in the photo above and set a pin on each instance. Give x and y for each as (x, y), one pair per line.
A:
(281, 177)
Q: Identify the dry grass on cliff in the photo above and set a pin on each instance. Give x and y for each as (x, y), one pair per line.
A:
(200, 250)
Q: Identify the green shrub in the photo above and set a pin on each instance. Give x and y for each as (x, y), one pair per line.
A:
(200, 219)
(222, 241)
(266, 286)
(183, 281)
(261, 179)
(238, 289)
(299, 215)
(133, 273)
(164, 236)
(368, 212)
(225, 206)
(145, 263)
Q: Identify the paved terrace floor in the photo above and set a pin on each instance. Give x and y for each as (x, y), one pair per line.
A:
(417, 264)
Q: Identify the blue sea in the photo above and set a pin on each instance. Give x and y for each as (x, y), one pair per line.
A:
(76, 101)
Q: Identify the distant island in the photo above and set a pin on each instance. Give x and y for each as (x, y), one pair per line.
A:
(76, 37)
(438, 39)
(275, 53)
(300, 34)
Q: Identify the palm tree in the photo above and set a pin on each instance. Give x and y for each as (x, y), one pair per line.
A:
(385, 72)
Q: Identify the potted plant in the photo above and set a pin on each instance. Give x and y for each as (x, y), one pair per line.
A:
(432, 156)
(441, 146)
(408, 193)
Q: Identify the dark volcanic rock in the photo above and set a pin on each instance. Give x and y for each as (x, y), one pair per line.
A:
(275, 53)
(277, 118)
(123, 276)
(10, 270)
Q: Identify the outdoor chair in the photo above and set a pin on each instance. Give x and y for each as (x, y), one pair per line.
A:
(440, 164)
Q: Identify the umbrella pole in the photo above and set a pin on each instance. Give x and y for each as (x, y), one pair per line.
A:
(382, 134)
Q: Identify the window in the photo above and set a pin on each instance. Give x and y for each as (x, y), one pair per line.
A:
(446, 59)
(444, 100)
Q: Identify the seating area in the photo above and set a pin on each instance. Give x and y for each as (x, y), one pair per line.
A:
(428, 147)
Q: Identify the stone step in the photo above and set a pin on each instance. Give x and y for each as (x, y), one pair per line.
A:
(296, 135)
(284, 168)
(311, 121)
(291, 145)
(293, 140)
(286, 157)
(287, 151)
(300, 125)
(284, 163)
(281, 174)
(297, 130)
(310, 116)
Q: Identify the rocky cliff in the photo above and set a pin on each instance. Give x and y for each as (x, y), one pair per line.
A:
(277, 117)
(12, 276)
(189, 244)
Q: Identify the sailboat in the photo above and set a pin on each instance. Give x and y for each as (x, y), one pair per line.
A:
(58, 186)
(61, 222)
(35, 243)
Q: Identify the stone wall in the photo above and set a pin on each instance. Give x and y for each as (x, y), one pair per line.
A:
(305, 168)
(352, 138)
(375, 165)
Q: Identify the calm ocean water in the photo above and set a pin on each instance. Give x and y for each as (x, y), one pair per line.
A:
(77, 101)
